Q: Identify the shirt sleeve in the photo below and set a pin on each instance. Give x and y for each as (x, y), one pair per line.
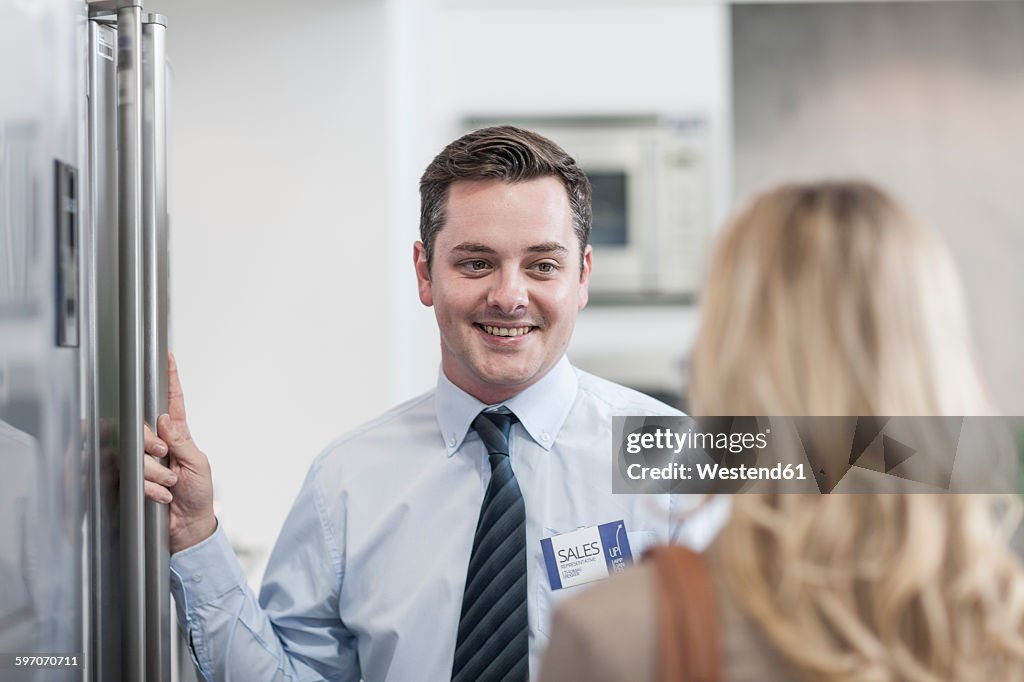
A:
(293, 632)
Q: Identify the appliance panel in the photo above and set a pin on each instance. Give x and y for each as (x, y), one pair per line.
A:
(43, 493)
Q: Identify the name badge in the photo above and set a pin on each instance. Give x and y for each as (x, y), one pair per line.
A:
(585, 555)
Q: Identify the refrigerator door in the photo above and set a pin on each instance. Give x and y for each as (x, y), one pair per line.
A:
(83, 340)
(43, 455)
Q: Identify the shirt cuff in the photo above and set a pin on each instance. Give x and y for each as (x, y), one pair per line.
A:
(203, 573)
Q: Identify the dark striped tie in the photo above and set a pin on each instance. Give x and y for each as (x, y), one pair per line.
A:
(492, 644)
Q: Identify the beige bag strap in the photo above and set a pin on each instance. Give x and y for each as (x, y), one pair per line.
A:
(688, 647)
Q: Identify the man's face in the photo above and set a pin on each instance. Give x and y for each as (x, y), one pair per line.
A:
(505, 283)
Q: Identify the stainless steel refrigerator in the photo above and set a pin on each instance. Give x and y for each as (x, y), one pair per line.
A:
(83, 340)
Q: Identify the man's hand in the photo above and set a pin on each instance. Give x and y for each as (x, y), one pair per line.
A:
(186, 484)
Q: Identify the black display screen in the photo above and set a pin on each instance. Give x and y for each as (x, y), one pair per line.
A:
(610, 225)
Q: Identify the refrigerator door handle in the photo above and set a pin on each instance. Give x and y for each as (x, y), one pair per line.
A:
(155, 306)
(131, 361)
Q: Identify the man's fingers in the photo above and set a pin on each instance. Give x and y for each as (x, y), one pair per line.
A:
(151, 444)
(175, 397)
(157, 493)
(178, 440)
(170, 432)
(155, 472)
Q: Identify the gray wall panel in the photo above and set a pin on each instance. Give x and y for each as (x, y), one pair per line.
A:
(925, 98)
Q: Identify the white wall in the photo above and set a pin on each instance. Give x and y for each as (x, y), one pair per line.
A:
(281, 275)
(413, 68)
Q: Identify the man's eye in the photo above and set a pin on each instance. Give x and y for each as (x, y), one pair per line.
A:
(546, 268)
(475, 265)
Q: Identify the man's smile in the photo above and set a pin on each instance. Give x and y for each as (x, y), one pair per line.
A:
(496, 330)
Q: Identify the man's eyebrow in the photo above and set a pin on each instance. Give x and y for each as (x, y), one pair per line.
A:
(473, 247)
(549, 247)
(544, 247)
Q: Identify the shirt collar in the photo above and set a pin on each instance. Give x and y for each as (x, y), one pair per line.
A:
(541, 408)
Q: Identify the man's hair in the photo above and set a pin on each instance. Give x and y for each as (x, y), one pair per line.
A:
(503, 153)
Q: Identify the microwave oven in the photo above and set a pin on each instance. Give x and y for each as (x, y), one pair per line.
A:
(651, 197)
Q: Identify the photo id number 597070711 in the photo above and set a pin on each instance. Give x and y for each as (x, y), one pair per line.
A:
(40, 661)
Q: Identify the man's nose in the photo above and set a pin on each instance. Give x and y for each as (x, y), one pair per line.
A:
(509, 292)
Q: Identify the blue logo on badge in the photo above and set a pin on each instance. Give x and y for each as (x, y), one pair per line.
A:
(616, 546)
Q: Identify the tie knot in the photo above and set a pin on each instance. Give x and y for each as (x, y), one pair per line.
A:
(493, 428)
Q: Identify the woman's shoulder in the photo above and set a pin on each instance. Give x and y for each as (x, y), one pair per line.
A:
(607, 632)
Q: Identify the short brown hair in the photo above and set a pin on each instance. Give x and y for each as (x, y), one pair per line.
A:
(503, 153)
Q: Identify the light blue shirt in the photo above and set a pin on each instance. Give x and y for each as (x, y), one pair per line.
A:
(367, 576)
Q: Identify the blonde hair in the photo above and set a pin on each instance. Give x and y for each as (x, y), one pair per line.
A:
(827, 299)
(879, 588)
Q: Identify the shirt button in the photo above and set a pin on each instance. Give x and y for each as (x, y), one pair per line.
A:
(545, 436)
(451, 442)
(197, 577)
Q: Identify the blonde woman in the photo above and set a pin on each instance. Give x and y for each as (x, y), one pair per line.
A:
(822, 299)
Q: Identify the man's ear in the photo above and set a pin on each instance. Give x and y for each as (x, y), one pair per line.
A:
(584, 294)
(419, 261)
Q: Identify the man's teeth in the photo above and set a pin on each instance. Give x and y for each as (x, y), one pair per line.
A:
(506, 331)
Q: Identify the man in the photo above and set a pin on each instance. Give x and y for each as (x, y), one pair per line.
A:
(413, 551)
